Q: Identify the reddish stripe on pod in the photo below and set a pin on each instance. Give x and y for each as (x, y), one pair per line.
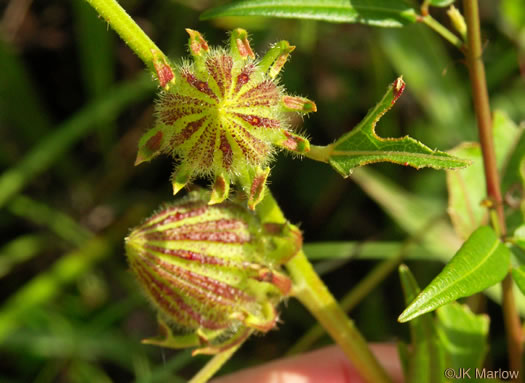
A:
(165, 290)
(148, 284)
(221, 292)
(182, 306)
(258, 122)
(179, 101)
(173, 107)
(264, 94)
(244, 77)
(223, 230)
(253, 149)
(187, 255)
(154, 142)
(227, 152)
(173, 215)
(188, 131)
(209, 148)
(257, 186)
(201, 86)
(204, 148)
(220, 68)
(203, 236)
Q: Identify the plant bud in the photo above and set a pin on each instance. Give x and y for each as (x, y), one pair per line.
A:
(212, 271)
(223, 114)
(458, 21)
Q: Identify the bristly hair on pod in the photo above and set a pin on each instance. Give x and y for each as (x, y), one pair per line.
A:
(223, 115)
(212, 271)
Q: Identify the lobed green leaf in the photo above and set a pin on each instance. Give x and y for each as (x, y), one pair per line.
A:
(363, 146)
(481, 262)
(381, 13)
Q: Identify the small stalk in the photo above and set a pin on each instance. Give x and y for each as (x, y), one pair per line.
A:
(312, 292)
(482, 109)
(129, 31)
(443, 31)
(214, 364)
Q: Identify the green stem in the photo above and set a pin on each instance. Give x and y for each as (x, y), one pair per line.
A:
(214, 364)
(320, 153)
(129, 31)
(444, 32)
(355, 296)
(311, 291)
(482, 109)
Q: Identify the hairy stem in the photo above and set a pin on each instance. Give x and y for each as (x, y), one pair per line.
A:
(128, 30)
(482, 109)
(312, 292)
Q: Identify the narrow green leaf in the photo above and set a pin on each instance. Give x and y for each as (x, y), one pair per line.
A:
(363, 146)
(381, 13)
(425, 363)
(522, 173)
(466, 187)
(20, 105)
(49, 149)
(463, 335)
(60, 223)
(19, 250)
(48, 284)
(519, 237)
(518, 274)
(364, 250)
(481, 262)
(97, 60)
(441, 3)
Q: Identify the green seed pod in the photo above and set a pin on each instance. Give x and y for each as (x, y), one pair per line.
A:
(212, 271)
(222, 115)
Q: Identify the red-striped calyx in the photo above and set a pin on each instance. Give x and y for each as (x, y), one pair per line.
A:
(223, 114)
(213, 271)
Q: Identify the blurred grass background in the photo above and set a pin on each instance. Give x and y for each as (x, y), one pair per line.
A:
(74, 101)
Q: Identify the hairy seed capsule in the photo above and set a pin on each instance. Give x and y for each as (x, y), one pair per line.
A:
(222, 116)
(213, 271)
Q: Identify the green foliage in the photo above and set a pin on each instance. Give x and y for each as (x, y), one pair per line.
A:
(441, 3)
(363, 146)
(454, 338)
(73, 105)
(518, 274)
(381, 13)
(426, 360)
(519, 236)
(463, 335)
(466, 187)
(481, 262)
